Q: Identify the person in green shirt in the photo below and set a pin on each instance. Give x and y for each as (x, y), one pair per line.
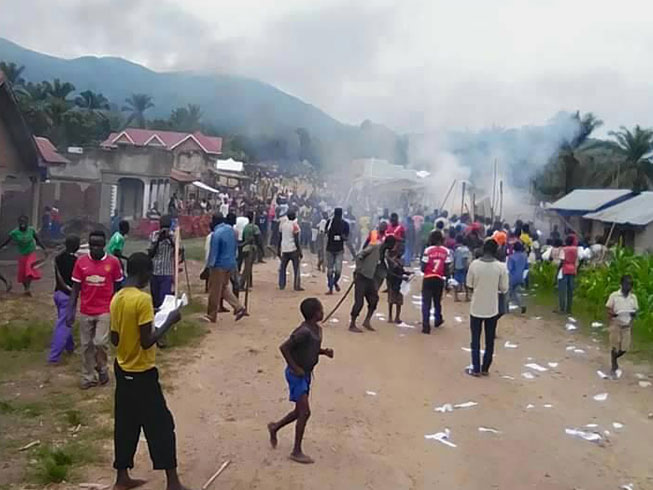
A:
(26, 240)
(251, 244)
(117, 242)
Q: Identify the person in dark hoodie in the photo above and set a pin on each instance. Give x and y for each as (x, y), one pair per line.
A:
(337, 233)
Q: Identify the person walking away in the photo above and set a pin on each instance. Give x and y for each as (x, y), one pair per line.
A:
(62, 336)
(289, 250)
(486, 277)
(517, 270)
(462, 257)
(410, 240)
(434, 266)
(251, 244)
(365, 285)
(622, 307)
(395, 275)
(301, 352)
(320, 243)
(116, 244)
(162, 252)
(96, 277)
(221, 261)
(139, 401)
(26, 240)
(567, 275)
(350, 243)
(337, 233)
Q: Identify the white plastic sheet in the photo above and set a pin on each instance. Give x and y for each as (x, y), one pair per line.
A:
(169, 304)
(442, 437)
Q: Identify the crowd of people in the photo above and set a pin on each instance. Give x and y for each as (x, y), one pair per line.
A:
(485, 263)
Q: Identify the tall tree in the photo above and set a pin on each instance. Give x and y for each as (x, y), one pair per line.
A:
(92, 102)
(58, 89)
(137, 104)
(187, 118)
(635, 148)
(13, 72)
(569, 148)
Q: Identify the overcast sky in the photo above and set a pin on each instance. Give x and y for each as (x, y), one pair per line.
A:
(413, 65)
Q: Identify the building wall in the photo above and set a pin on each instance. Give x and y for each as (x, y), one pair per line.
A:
(9, 159)
(644, 240)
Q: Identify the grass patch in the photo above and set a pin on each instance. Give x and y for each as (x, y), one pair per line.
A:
(194, 307)
(194, 249)
(74, 418)
(186, 333)
(54, 464)
(25, 335)
(6, 407)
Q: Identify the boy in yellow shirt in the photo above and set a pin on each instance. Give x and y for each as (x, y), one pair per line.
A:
(139, 401)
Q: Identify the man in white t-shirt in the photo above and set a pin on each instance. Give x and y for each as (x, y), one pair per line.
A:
(486, 277)
(289, 249)
(622, 307)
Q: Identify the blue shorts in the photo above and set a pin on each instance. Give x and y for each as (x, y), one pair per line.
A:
(297, 385)
(460, 275)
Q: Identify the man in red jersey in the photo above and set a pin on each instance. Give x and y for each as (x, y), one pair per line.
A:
(435, 260)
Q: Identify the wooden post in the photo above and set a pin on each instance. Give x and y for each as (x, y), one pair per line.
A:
(447, 195)
(177, 242)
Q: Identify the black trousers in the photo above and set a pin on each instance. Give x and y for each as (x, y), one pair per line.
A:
(140, 404)
(432, 288)
(476, 326)
(294, 258)
(364, 290)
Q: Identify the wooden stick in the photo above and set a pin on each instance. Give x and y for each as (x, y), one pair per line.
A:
(462, 203)
(216, 474)
(177, 238)
(447, 195)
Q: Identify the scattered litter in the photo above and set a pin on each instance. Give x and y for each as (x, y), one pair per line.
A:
(529, 359)
(405, 325)
(508, 345)
(602, 375)
(640, 376)
(370, 393)
(378, 315)
(30, 445)
(644, 384)
(552, 364)
(488, 429)
(305, 275)
(536, 367)
(601, 397)
(627, 486)
(382, 318)
(505, 376)
(597, 324)
(447, 407)
(548, 405)
(617, 425)
(513, 307)
(619, 373)
(537, 318)
(571, 327)
(459, 319)
(415, 296)
(579, 351)
(334, 320)
(442, 437)
(592, 426)
(345, 279)
(465, 405)
(529, 406)
(571, 319)
(352, 266)
(570, 348)
(466, 349)
(588, 436)
(528, 375)
(304, 264)
(417, 303)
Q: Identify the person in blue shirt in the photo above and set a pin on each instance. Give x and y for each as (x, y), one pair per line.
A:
(517, 270)
(222, 260)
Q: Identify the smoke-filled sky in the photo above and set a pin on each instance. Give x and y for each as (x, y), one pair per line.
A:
(413, 65)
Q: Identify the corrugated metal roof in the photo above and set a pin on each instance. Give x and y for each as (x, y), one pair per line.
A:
(588, 200)
(635, 211)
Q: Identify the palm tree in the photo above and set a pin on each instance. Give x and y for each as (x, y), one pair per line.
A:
(137, 104)
(569, 149)
(186, 118)
(12, 72)
(635, 148)
(58, 89)
(92, 102)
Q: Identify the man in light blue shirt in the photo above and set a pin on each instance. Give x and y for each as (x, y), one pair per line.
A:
(222, 260)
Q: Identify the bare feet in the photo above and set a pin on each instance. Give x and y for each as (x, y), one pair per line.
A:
(273, 435)
(127, 483)
(301, 458)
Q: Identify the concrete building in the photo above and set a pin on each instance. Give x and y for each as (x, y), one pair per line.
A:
(20, 174)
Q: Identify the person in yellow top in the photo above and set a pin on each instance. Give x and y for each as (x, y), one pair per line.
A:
(139, 402)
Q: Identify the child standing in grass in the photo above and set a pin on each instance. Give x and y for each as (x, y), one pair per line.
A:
(301, 352)
(139, 400)
(622, 307)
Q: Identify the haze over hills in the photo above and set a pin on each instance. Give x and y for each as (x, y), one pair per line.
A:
(231, 104)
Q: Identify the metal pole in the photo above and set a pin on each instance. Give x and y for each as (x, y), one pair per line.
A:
(500, 199)
(462, 203)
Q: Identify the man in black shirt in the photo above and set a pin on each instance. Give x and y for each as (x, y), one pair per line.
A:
(301, 352)
(62, 337)
(337, 233)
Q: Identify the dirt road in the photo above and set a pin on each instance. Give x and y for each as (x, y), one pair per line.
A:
(233, 385)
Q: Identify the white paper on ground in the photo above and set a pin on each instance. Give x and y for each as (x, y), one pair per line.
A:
(644, 384)
(537, 318)
(588, 436)
(513, 307)
(465, 405)
(602, 375)
(378, 314)
(370, 393)
(382, 318)
(617, 425)
(592, 426)
(536, 367)
(334, 320)
(304, 264)
(509, 345)
(627, 486)
(547, 405)
(405, 325)
(304, 275)
(597, 324)
(571, 327)
(552, 364)
(352, 266)
(169, 304)
(529, 406)
(466, 349)
(415, 296)
(442, 437)
(447, 407)
(488, 429)
(571, 319)
(601, 397)
(640, 376)
(505, 376)
(579, 351)
(417, 303)
(459, 319)
(528, 375)
(570, 348)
